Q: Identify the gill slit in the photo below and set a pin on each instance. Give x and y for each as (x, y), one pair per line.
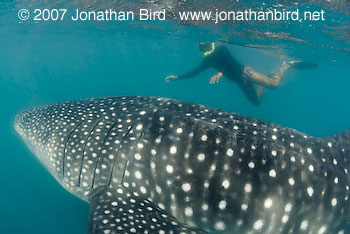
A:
(65, 148)
(84, 147)
(120, 145)
(99, 154)
(127, 163)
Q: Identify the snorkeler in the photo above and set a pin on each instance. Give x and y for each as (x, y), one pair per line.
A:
(251, 82)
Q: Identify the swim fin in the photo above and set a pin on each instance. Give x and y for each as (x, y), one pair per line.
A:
(302, 65)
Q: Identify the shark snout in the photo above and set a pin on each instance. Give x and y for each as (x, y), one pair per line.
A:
(29, 123)
(21, 122)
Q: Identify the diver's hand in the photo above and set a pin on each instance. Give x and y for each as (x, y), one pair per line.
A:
(169, 78)
(216, 78)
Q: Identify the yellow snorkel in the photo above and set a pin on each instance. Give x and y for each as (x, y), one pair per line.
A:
(211, 50)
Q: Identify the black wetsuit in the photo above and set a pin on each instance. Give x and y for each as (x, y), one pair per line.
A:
(222, 60)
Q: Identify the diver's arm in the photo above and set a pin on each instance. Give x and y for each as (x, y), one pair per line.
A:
(202, 67)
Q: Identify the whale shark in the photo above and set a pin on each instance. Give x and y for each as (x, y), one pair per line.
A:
(157, 165)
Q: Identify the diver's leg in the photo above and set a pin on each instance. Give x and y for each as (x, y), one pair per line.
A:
(253, 94)
(264, 80)
(280, 73)
(259, 90)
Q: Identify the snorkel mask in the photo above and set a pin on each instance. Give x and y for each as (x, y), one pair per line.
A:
(207, 48)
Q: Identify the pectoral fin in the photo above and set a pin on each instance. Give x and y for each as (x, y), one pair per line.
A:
(116, 210)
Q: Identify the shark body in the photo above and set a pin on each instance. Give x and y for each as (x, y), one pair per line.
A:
(156, 165)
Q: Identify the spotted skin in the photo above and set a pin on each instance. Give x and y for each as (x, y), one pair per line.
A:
(156, 165)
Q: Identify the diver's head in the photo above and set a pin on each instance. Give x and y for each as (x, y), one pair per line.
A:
(206, 47)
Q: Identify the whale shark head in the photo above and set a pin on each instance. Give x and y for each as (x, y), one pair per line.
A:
(43, 137)
(46, 130)
(157, 165)
(68, 138)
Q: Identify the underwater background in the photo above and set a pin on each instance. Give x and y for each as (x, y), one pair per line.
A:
(43, 63)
